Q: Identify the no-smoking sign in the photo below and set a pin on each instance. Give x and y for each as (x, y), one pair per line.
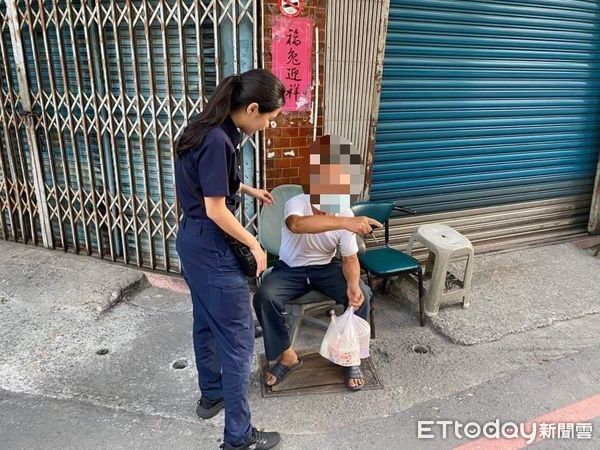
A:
(290, 8)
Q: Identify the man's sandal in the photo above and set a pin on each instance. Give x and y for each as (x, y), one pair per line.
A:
(280, 371)
(353, 373)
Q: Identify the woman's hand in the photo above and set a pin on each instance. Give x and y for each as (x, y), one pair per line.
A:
(261, 258)
(264, 196)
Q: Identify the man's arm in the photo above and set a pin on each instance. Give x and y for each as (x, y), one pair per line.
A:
(320, 224)
(351, 269)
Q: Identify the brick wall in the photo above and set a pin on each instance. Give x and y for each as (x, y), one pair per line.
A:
(286, 145)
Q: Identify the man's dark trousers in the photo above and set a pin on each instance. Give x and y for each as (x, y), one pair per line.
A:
(287, 283)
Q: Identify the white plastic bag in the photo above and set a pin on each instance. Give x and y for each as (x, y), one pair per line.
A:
(363, 330)
(346, 340)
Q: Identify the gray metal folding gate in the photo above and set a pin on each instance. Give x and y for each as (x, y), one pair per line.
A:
(93, 95)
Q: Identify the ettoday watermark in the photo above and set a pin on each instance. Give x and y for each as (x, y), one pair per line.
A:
(431, 429)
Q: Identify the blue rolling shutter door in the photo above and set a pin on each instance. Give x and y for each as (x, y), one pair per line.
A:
(487, 103)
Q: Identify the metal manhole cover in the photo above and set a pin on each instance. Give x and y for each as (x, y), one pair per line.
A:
(316, 376)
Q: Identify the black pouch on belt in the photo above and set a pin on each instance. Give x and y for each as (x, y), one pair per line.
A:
(244, 256)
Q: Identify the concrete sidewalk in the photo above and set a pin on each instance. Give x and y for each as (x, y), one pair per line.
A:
(518, 291)
(51, 332)
(37, 422)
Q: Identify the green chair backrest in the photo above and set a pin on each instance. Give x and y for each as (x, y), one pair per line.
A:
(271, 217)
(379, 211)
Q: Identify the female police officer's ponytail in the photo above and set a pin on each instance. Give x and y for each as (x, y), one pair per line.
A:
(234, 92)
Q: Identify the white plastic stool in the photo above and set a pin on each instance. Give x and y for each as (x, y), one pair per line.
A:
(445, 245)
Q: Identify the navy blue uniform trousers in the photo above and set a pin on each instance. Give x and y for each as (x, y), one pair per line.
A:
(223, 330)
(287, 283)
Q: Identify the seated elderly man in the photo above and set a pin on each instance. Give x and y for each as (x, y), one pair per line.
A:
(314, 226)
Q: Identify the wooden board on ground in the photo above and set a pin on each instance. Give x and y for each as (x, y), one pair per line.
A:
(316, 376)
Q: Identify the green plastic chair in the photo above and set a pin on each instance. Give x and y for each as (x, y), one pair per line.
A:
(384, 261)
(302, 309)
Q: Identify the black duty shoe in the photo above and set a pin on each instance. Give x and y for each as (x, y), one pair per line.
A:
(207, 409)
(260, 440)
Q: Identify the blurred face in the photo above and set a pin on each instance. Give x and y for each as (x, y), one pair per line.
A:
(335, 174)
(250, 120)
(329, 179)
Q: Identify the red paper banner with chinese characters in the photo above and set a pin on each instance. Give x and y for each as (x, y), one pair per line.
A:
(291, 48)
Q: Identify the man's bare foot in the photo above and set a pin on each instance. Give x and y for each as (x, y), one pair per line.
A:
(354, 378)
(356, 382)
(288, 358)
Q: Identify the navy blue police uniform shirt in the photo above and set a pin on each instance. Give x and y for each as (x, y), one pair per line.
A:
(211, 169)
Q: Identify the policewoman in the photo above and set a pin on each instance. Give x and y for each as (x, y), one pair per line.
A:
(208, 182)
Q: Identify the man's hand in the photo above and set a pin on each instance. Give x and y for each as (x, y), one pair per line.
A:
(355, 296)
(362, 224)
